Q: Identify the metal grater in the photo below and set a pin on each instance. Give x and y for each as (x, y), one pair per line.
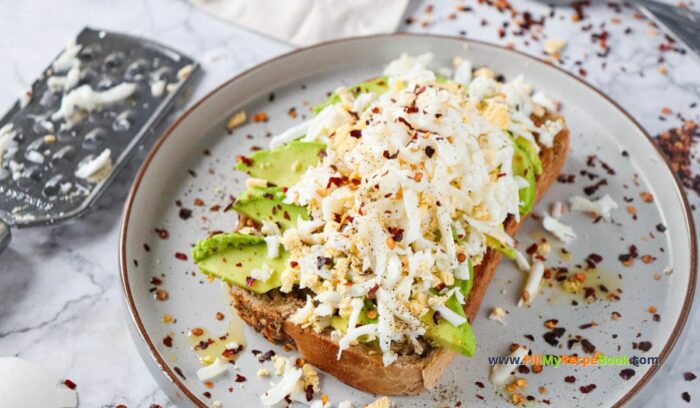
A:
(54, 146)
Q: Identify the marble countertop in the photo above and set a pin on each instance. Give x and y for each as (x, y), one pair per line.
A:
(60, 295)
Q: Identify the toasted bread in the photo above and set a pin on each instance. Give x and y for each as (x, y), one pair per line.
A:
(361, 366)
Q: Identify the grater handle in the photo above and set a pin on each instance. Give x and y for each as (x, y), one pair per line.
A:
(5, 236)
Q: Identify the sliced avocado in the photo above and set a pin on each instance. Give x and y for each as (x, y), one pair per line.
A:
(232, 257)
(459, 339)
(377, 85)
(505, 250)
(341, 323)
(527, 146)
(465, 285)
(265, 204)
(522, 166)
(283, 165)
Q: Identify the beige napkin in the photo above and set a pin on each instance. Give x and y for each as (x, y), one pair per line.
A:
(306, 22)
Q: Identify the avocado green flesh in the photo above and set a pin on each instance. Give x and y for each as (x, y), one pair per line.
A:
(265, 204)
(527, 146)
(459, 339)
(232, 257)
(377, 85)
(522, 166)
(341, 323)
(505, 250)
(465, 286)
(282, 166)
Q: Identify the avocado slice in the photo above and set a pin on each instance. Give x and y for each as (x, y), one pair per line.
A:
(459, 339)
(284, 165)
(231, 258)
(341, 323)
(377, 85)
(505, 250)
(465, 285)
(529, 149)
(522, 166)
(265, 204)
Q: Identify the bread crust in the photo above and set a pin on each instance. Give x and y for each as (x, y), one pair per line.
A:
(360, 366)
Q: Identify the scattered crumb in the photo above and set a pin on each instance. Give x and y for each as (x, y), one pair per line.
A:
(497, 314)
(236, 120)
(553, 46)
(383, 402)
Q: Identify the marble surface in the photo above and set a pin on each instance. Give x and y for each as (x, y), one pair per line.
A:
(60, 295)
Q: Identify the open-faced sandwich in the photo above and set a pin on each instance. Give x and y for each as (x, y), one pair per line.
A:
(368, 235)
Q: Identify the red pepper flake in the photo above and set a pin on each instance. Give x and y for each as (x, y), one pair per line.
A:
(436, 317)
(587, 346)
(162, 233)
(685, 396)
(338, 181)
(168, 341)
(677, 144)
(156, 281)
(429, 151)
(405, 122)
(688, 376)
(411, 109)
(240, 378)
(531, 249)
(185, 213)
(356, 133)
(396, 233)
(587, 388)
(627, 373)
(70, 384)
(161, 294)
(570, 379)
(309, 390)
(644, 346)
(260, 117)
(389, 156)
(219, 316)
(373, 292)
(198, 202)
(592, 189)
(245, 160)
(180, 256)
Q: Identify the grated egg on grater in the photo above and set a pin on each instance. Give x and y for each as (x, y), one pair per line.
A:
(67, 136)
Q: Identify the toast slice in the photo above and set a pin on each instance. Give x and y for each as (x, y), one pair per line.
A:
(360, 365)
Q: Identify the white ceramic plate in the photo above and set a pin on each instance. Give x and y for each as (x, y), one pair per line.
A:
(177, 172)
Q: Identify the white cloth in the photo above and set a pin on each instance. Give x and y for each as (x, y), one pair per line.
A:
(306, 22)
